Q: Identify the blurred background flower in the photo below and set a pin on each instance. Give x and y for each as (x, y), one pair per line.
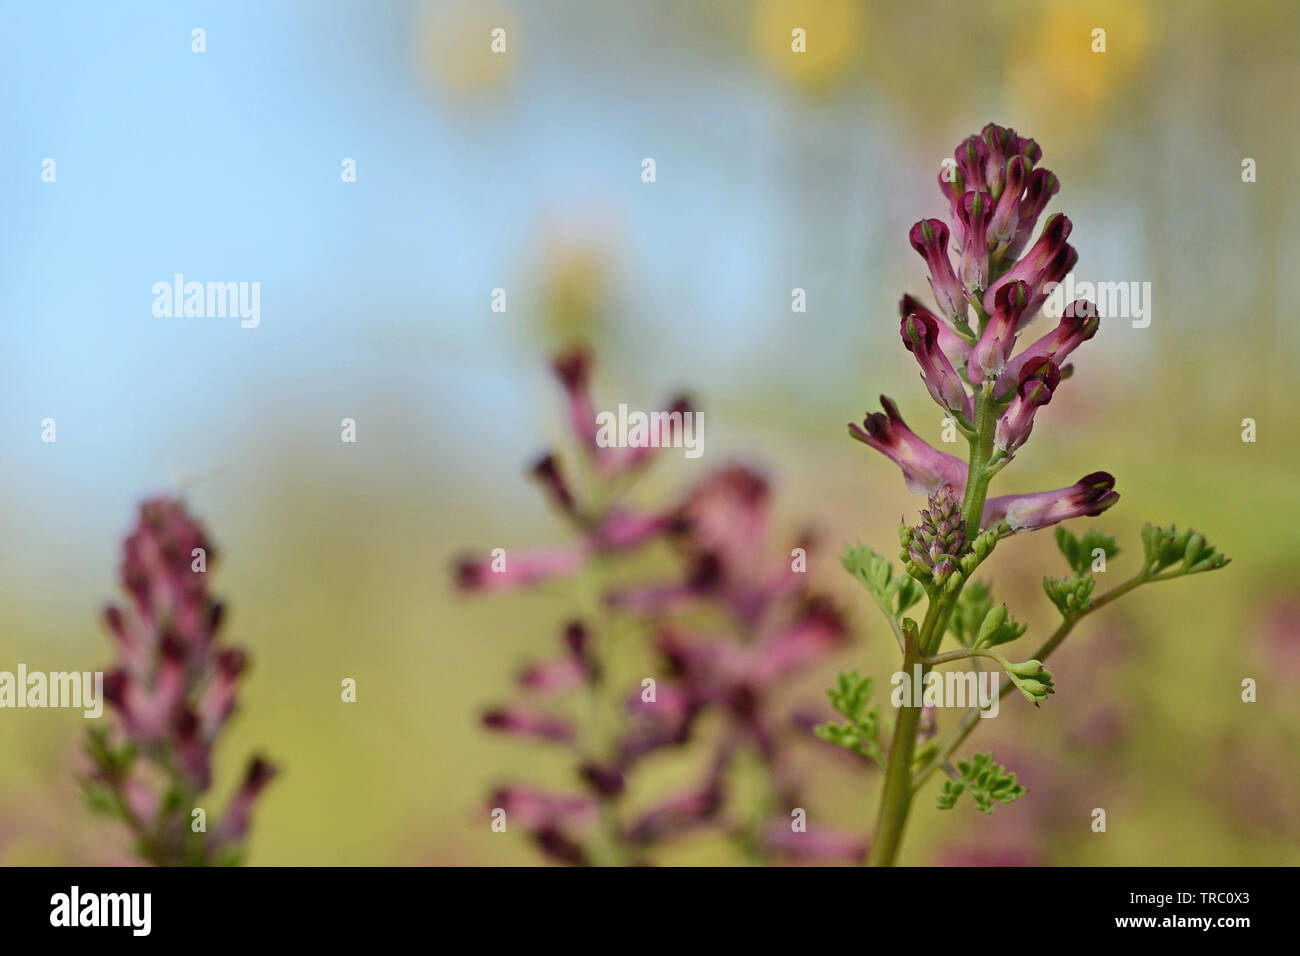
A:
(521, 171)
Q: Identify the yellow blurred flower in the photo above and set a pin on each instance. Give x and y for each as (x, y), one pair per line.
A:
(831, 35)
(1053, 72)
(453, 42)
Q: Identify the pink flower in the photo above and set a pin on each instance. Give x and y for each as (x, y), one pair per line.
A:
(1079, 324)
(174, 688)
(974, 216)
(953, 345)
(1048, 261)
(921, 337)
(1038, 380)
(518, 569)
(816, 844)
(524, 722)
(989, 357)
(930, 238)
(925, 469)
(1089, 496)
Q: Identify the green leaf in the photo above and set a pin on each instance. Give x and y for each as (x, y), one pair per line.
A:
(861, 735)
(101, 799)
(852, 695)
(895, 593)
(972, 607)
(1080, 552)
(998, 627)
(1166, 547)
(949, 794)
(986, 782)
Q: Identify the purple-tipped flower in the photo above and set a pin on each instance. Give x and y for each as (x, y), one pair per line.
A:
(234, 825)
(573, 369)
(920, 335)
(956, 348)
(680, 813)
(1078, 325)
(547, 471)
(1089, 496)
(975, 214)
(930, 238)
(517, 569)
(1040, 265)
(550, 818)
(989, 357)
(572, 670)
(1042, 186)
(523, 722)
(1006, 216)
(1038, 379)
(925, 469)
(174, 688)
(971, 156)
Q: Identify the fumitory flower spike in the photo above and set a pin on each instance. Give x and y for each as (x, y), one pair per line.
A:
(726, 686)
(996, 191)
(173, 687)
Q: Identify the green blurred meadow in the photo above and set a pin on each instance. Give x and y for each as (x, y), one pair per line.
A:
(336, 559)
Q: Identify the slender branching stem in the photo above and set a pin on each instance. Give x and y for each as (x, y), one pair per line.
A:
(896, 795)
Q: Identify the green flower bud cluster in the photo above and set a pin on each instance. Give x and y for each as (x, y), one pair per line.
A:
(1166, 547)
(1070, 595)
(1032, 679)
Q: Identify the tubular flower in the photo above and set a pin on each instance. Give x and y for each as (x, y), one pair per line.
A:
(975, 213)
(1089, 496)
(1038, 379)
(607, 530)
(1078, 325)
(930, 239)
(953, 345)
(1006, 216)
(989, 357)
(921, 337)
(1050, 258)
(925, 469)
(996, 193)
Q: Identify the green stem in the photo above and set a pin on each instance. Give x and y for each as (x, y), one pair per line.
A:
(981, 450)
(896, 799)
(607, 848)
(896, 795)
(962, 654)
(971, 717)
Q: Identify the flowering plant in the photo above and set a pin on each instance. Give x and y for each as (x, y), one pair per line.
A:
(996, 192)
(724, 634)
(173, 687)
